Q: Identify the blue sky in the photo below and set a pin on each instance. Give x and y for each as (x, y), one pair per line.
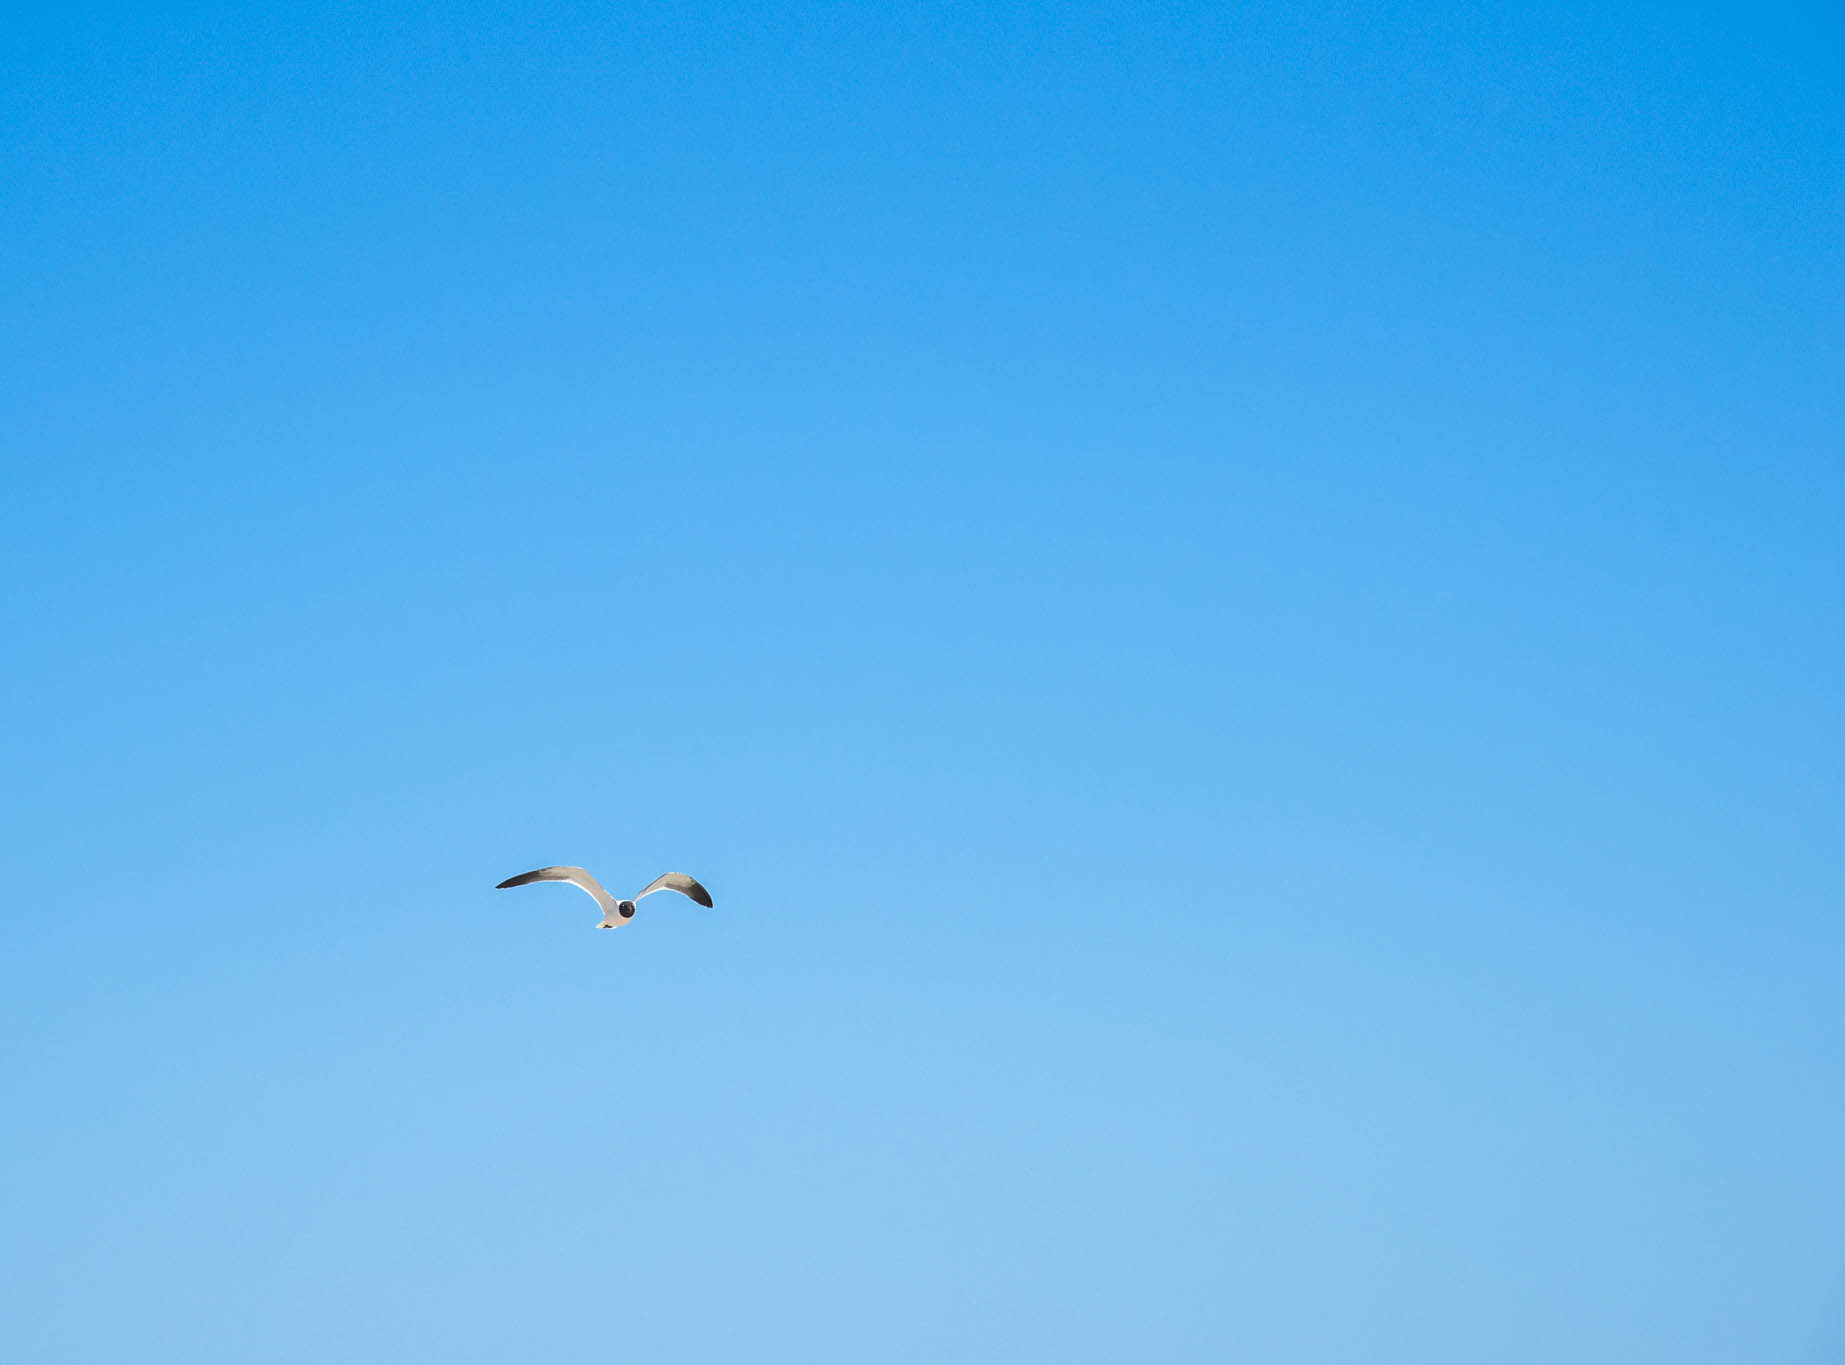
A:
(1240, 607)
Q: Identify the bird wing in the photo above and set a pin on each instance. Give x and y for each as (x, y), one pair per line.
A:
(576, 876)
(684, 885)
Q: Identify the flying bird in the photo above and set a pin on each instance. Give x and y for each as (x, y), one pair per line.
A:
(615, 914)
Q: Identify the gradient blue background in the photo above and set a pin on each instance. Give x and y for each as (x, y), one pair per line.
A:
(1241, 607)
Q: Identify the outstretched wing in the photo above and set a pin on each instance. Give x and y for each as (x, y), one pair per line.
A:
(576, 876)
(684, 885)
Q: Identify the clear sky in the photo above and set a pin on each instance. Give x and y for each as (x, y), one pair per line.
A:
(1241, 607)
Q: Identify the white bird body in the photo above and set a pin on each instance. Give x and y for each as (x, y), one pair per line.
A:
(616, 914)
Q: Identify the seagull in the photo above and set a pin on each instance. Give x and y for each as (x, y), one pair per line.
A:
(615, 914)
